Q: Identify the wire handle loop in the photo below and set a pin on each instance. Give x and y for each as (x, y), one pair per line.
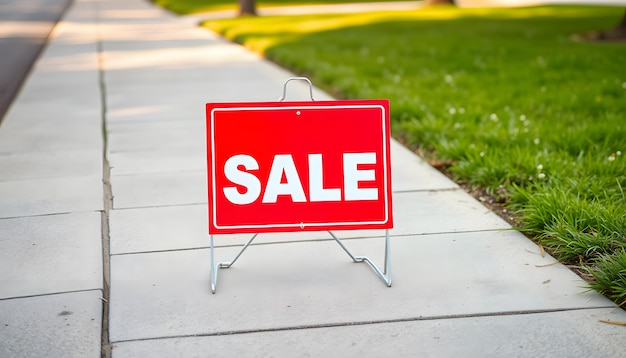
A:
(294, 79)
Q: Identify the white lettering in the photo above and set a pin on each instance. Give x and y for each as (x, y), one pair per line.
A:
(352, 176)
(317, 192)
(283, 163)
(237, 167)
(245, 179)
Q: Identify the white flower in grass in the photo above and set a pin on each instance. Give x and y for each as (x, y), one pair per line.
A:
(522, 118)
(540, 174)
(482, 154)
(461, 110)
(493, 117)
(452, 110)
(624, 85)
(612, 157)
(536, 141)
(619, 152)
(448, 78)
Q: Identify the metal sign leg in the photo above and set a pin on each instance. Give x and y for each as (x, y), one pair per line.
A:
(215, 267)
(384, 274)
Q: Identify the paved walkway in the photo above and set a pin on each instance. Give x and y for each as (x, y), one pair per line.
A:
(102, 159)
(24, 29)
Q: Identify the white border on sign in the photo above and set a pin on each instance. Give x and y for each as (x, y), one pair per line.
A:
(302, 224)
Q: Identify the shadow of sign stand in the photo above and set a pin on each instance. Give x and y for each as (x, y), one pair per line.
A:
(299, 166)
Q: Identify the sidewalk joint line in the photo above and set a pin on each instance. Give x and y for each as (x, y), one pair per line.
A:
(425, 190)
(237, 245)
(105, 345)
(50, 294)
(365, 323)
(49, 214)
(159, 206)
(156, 206)
(183, 171)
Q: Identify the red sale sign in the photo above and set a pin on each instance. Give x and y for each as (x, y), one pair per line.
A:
(296, 166)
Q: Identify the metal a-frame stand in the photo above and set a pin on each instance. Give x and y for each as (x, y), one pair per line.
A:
(384, 274)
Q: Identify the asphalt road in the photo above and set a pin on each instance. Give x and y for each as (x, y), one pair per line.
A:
(24, 29)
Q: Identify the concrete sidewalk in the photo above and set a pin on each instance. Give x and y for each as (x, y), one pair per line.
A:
(102, 174)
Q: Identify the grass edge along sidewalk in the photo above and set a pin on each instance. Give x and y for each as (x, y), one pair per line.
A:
(503, 99)
(186, 7)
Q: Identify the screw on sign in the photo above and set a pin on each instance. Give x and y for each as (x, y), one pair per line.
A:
(294, 166)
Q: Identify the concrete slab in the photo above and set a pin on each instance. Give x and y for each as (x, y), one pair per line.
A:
(553, 334)
(62, 118)
(50, 254)
(186, 67)
(64, 325)
(309, 284)
(25, 30)
(410, 172)
(50, 164)
(159, 189)
(418, 213)
(173, 135)
(58, 106)
(48, 136)
(127, 101)
(166, 54)
(50, 196)
(52, 77)
(185, 227)
(157, 161)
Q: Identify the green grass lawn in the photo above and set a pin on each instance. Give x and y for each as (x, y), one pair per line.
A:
(506, 97)
(185, 7)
